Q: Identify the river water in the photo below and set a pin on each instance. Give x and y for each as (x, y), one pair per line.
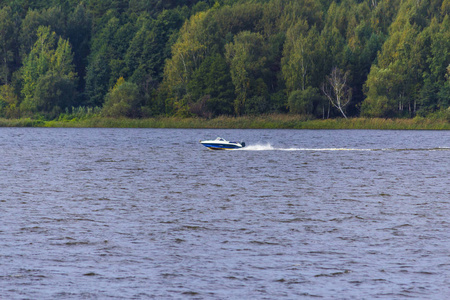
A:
(151, 213)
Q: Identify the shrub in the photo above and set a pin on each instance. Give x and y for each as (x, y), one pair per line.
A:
(304, 102)
(123, 100)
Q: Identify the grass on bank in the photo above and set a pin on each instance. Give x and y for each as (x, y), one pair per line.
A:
(276, 121)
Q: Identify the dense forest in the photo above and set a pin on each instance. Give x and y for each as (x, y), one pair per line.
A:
(144, 58)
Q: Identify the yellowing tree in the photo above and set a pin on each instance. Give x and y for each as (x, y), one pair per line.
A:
(188, 52)
(187, 55)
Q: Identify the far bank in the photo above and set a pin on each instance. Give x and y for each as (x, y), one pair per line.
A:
(247, 122)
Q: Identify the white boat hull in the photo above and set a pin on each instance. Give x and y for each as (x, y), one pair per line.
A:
(222, 144)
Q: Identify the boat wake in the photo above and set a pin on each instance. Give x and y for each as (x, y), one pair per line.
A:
(269, 147)
(258, 147)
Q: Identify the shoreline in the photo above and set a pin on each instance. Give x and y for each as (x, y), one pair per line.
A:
(246, 122)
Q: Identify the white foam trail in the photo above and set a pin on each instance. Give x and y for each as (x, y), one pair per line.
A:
(269, 147)
(259, 147)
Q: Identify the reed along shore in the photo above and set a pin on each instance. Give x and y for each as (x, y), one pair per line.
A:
(246, 122)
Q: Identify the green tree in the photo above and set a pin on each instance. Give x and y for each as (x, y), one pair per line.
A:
(9, 102)
(123, 100)
(155, 7)
(37, 64)
(150, 47)
(299, 57)
(211, 83)
(54, 93)
(232, 19)
(382, 88)
(434, 94)
(246, 57)
(444, 92)
(403, 60)
(79, 34)
(7, 43)
(307, 102)
(52, 17)
(97, 77)
(188, 53)
(99, 8)
(106, 62)
(48, 75)
(28, 30)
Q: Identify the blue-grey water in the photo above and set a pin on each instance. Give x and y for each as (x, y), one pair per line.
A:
(151, 213)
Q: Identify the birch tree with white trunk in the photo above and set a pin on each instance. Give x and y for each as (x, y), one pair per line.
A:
(335, 88)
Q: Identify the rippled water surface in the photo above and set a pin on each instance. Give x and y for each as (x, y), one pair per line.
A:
(151, 213)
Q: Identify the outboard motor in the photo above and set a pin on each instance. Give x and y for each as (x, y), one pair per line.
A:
(243, 144)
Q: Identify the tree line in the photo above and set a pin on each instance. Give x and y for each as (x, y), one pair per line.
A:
(143, 58)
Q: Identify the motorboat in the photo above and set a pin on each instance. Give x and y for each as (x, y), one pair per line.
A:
(222, 144)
